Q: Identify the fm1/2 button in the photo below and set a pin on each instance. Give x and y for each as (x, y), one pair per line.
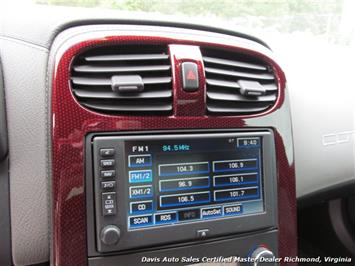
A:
(189, 76)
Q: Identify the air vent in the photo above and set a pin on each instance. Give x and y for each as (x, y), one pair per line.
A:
(129, 80)
(237, 83)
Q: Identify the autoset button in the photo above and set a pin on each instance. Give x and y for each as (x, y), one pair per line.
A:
(211, 212)
(141, 206)
(165, 218)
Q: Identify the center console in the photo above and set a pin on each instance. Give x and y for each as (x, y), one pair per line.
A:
(170, 145)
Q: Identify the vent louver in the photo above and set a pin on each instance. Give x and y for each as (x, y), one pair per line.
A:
(129, 80)
(237, 83)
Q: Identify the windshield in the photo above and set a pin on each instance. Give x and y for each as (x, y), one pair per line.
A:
(331, 20)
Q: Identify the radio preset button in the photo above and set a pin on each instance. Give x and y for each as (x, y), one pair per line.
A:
(141, 192)
(233, 209)
(184, 168)
(108, 173)
(107, 152)
(108, 203)
(236, 194)
(186, 215)
(211, 212)
(140, 176)
(141, 207)
(235, 179)
(184, 183)
(107, 163)
(235, 165)
(142, 160)
(140, 221)
(107, 185)
(185, 199)
(165, 218)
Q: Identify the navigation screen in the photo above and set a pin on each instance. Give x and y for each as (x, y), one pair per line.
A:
(184, 180)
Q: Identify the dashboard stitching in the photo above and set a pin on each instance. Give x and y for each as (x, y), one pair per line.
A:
(48, 108)
(24, 42)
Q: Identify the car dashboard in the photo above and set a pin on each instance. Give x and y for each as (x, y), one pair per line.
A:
(134, 141)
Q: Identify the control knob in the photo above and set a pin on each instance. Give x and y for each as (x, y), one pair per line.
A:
(262, 256)
(110, 235)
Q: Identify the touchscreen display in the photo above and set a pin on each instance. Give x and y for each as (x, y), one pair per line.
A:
(183, 180)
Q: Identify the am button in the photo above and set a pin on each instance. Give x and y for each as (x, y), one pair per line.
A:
(141, 160)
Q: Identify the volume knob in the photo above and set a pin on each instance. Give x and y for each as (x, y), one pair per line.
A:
(262, 256)
(110, 235)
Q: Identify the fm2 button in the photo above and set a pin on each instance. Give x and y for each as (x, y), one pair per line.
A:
(190, 81)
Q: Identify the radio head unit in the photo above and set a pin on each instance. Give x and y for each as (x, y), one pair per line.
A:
(165, 188)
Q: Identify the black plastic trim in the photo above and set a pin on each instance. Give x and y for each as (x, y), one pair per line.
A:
(88, 22)
(3, 128)
(340, 223)
(342, 190)
(5, 223)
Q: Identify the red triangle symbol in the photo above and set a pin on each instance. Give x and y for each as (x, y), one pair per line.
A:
(190, 75)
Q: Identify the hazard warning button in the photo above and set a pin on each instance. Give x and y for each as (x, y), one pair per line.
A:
(189, 76)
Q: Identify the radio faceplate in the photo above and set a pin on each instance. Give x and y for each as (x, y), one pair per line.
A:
(165, 188)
